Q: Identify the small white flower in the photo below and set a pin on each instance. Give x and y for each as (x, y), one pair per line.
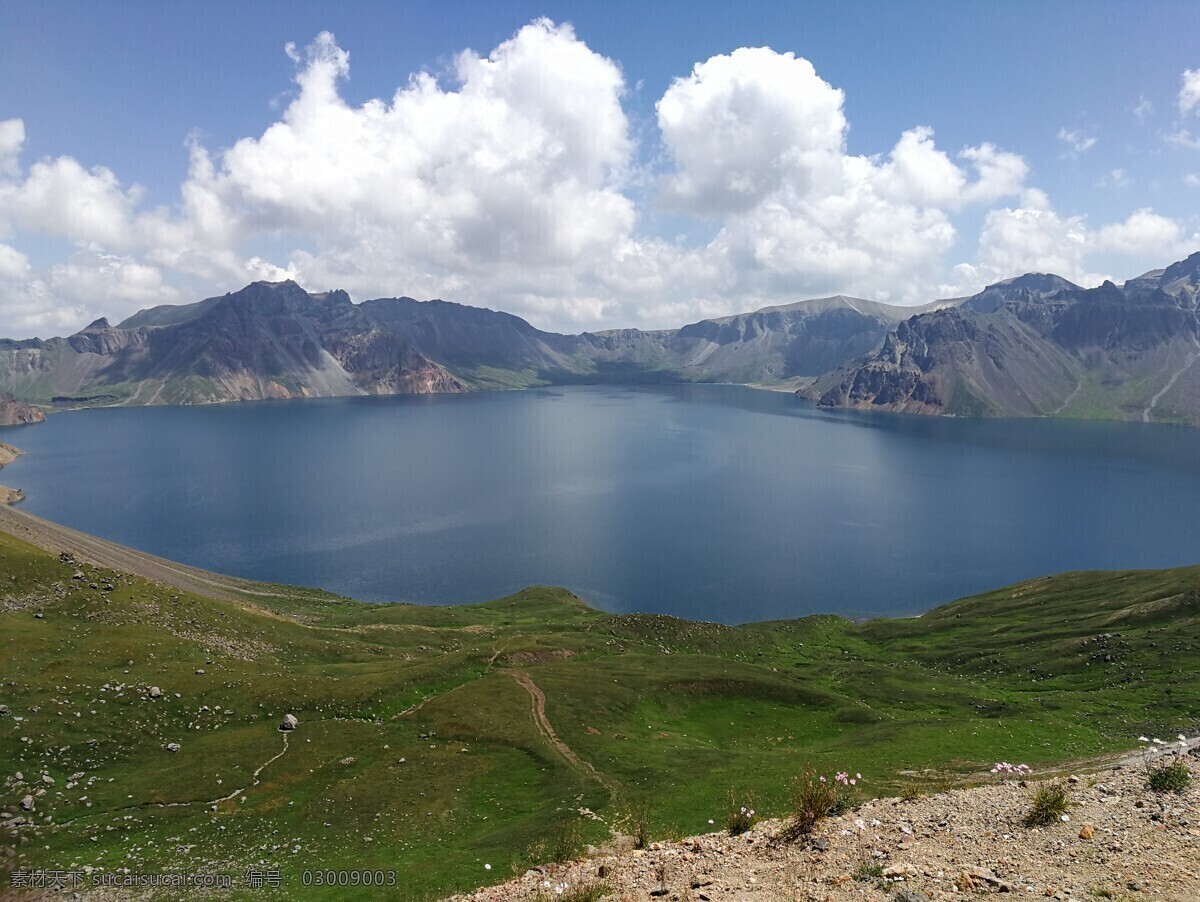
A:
(1143, 739)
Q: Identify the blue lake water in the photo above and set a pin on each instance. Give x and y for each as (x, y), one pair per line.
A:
(709, 502)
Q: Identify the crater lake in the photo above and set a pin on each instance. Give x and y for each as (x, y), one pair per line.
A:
(709, 502)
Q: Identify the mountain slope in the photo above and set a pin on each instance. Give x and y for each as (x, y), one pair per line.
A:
(1041, 346)
(274, 340)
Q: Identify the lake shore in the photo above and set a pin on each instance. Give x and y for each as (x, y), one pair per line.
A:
(9, 453)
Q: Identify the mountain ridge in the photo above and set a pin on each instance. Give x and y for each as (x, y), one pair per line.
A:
(275, 340)
(1032, 345)
(1039, 345)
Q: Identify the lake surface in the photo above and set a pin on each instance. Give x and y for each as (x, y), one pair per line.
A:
(705, 501)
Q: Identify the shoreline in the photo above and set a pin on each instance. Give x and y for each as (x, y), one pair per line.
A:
(9, 453)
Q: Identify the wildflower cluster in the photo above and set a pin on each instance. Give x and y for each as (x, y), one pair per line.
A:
(1170, 777)
(741, 819)
(1011, 770)
(815, 796)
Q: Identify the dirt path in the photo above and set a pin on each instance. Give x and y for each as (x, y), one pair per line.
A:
(1170, 383)
(54, 538)
(525, 681)
(1071, 397)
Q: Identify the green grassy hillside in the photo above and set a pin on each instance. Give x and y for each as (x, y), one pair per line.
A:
(436, 740)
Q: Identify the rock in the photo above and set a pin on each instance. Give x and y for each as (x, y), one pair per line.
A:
(909, 895)
(173, 746)
(4, 711)
(47, 779)
(27, 803)
(900, 870)
(347, 761)
(200, 672)
(16, 413)
(288, 723)
(1087, 831)
(154, 692)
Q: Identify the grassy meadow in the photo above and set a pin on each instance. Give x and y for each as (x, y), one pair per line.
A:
(423, 747)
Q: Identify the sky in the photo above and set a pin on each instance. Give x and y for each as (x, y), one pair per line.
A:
(587, 165)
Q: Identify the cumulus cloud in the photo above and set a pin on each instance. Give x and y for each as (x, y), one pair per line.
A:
(1189, 93)
(1144, 233)
(511, 182)
(758, 140)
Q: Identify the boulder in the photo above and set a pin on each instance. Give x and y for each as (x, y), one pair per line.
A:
(288, 723)
(154, 692)
(27, 803)
(173, 746)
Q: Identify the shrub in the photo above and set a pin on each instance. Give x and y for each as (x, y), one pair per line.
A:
(1173, 777)
(868, 870)
(741, 816)
(1048, 804)
(911, 790)
(813, 799)
(641, 825)
(560, 843)
(589, 893)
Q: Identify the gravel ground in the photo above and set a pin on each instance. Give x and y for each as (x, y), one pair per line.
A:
(1121, 841)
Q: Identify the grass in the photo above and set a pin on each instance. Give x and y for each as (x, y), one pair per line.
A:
(1049, 803)
(452, 771)
(741, 813)
(1172, 777)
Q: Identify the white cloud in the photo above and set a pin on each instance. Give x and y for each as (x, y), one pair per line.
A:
(1114, 178)
(744, 126)
(1189, 93)
(1076, 140)
(1192, 179)
(757, 140)
(1144, 233)
(1143, 110)
(12, 137)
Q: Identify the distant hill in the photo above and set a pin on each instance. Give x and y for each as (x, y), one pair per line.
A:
(275, 340)
(1039, 345)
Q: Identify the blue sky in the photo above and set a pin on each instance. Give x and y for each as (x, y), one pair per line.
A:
(1086, 100)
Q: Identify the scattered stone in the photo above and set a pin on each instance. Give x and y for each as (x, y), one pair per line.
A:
(1087, 831)
(200, 671)
(173, 746)
(27, 803)
(900, 870)
(154, 692)
(909, 895)
(288, 723)
(347, 761)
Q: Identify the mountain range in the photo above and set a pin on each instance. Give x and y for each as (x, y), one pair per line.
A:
(275, 340)
(1036, 345)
